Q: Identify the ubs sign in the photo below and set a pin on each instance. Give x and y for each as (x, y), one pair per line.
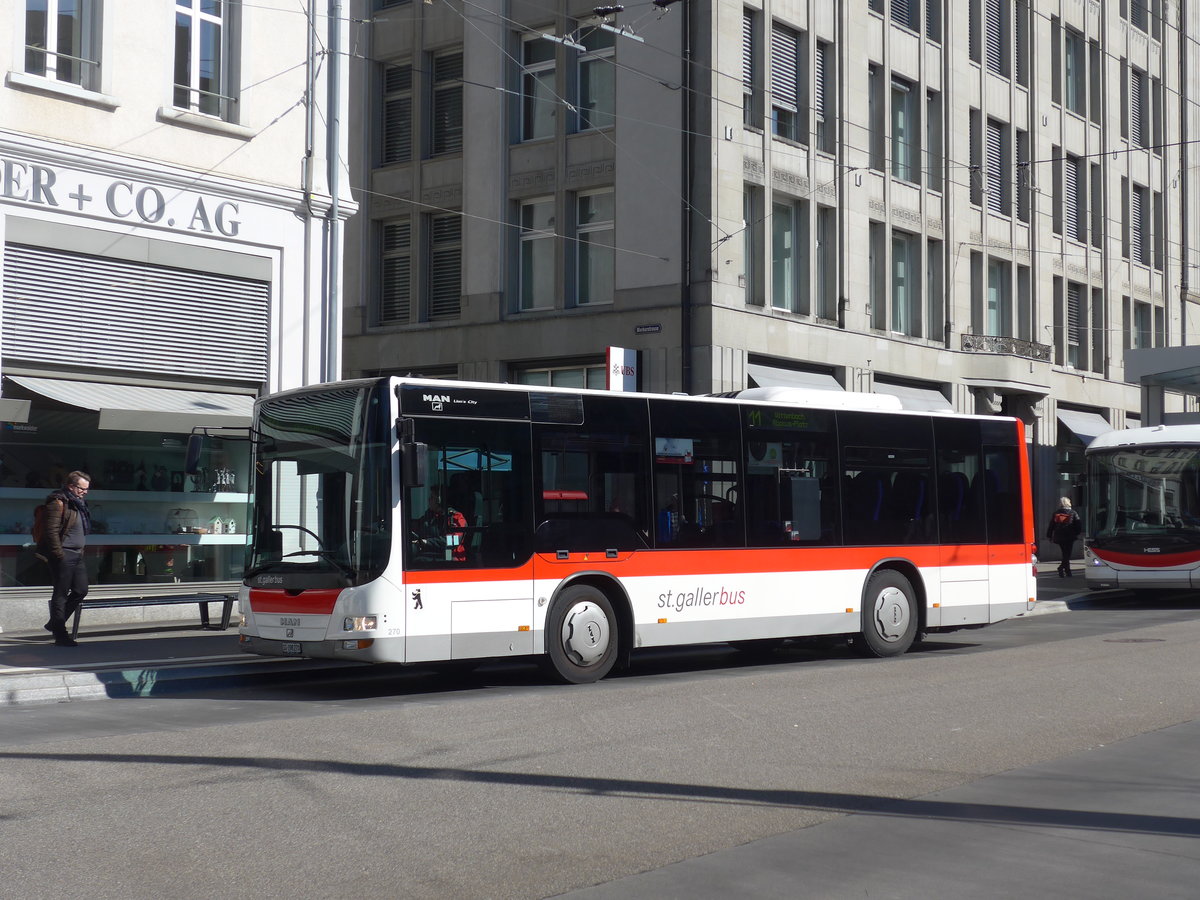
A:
(39, 185)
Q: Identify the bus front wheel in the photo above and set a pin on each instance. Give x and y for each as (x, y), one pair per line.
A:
(581, 635)
(889, 615)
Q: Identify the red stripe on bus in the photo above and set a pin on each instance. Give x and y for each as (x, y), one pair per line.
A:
(1148, 560)
(705, 562)
(316, 602)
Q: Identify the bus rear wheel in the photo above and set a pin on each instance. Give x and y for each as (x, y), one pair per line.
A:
(889, 615)
(581, 635)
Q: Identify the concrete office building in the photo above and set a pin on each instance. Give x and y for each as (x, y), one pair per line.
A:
(976, 206)
(165, 216)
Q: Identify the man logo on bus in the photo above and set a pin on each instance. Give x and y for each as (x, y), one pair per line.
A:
(436, 400)
(417, 599)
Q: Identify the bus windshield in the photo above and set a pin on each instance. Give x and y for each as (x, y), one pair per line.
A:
(322, 487)
(1144, 494)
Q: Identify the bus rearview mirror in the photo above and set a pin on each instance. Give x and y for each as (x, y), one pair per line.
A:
(414, 463)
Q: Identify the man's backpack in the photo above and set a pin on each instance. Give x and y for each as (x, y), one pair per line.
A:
(1062, 520)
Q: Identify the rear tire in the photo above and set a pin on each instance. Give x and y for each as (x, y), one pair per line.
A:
(581, 635)
(889, 615)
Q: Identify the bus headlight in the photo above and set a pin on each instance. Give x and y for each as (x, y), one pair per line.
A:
(359, 623)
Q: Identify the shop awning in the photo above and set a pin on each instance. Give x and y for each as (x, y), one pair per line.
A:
(918, 398)
(1086, 426)
(770, 376)
(126, 407)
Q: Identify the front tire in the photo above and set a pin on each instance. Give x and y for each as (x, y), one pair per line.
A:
(581, 635)
(889, 615)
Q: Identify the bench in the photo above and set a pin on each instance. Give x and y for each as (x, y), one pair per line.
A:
(227, 601)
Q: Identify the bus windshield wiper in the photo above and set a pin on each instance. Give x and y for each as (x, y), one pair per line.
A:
(328, 555)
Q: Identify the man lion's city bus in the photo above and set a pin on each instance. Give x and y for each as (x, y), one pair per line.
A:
(408, 521)
(1142, 522)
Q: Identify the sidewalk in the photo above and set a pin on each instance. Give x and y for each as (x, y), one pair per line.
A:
(118, 662)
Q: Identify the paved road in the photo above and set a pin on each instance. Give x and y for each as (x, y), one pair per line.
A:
(976, 760)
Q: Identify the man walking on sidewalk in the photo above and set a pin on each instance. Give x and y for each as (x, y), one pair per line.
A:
(66, 524)
(1064, 528)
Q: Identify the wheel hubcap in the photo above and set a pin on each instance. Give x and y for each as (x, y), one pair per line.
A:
(891, 614)
(585, 633)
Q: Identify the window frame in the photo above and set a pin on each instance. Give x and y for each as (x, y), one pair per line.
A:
(445, 138)
(91, 39)
(395, 248)
(189, 97)
(533, 237)
(602, 58)
(583, 245)
(532, 74)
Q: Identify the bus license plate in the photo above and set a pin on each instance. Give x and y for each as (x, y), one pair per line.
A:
(291, 649)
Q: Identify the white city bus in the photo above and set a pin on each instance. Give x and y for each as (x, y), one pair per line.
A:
(410, 521)
(1142, 521)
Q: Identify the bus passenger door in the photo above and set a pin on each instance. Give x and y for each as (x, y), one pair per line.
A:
(963, 551)
(468, 569)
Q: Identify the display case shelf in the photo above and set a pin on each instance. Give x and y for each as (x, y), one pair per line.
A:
(98, 496)
(123, 540)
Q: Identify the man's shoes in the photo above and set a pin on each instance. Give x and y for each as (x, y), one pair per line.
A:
(49, 626)
(65, 640)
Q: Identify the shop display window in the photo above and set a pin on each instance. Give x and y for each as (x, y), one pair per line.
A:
(151, 522)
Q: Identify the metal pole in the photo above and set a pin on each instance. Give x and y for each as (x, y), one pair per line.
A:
(330, 367)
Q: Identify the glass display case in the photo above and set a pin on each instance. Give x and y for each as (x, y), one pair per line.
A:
(150, 521)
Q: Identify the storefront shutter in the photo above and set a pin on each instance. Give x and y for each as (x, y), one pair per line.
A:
(74, 309)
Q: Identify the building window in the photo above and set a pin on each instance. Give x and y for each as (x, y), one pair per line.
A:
(397, 115)
(1139, 108)
(906, 144)
(206, 40)
(999, 152)
(1056, 190)
(597, 82)
(975, 152)
(594, 247)
(751, 102)
(786, 86)
(1076, 326)
(789, 264)
(974, 50)
(1024, 180)
(827, 260)
(999, 299)
(933, 140)
(536, 288)
(395, 276)
(1075, 191)
(577, 376)
(825, 98)
(877, 273)
(933, 20)
(907, 14)
(999, 50)
(445, 266)
(1021, 33)
(446, 107)
(1139, 220)
(934, 298)
(538, 103)
(1097, 206)
(1142, 337)
(752, 244)
(62, 41)
(1159, 225)
(1075, 72)
(906, 291)
(875, 117)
